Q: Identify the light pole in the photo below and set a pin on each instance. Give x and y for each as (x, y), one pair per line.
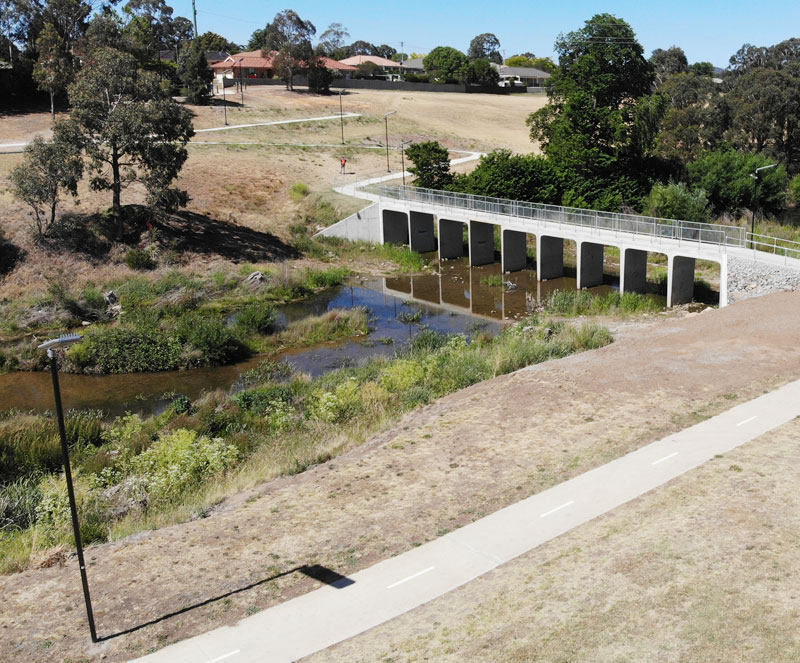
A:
(755, 177)
(50, 346)
(402, 158)
(224, 101)
(386, 122)
(341, 115)
(241, 81)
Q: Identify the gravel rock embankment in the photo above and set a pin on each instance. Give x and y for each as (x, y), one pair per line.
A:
(751, 279)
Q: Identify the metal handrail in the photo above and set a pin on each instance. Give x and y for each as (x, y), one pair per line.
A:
(706, 233)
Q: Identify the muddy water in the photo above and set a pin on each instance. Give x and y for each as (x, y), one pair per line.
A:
(459, 299)
(148, 393)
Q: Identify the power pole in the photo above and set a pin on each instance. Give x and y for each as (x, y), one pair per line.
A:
(194, 13)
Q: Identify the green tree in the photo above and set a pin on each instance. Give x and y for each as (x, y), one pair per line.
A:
(519, 61)
(725, 175)
(445, 63)
(47, 169)
(501, 174)
(333, 39)
(702, 69)
(368, 70)
(130, 129)
(53, 67)
(544, 64)
(196, 75)
(290, 36)
(319, 76)
(668, 62)
(480, 72)
(431, 164)
(211, 41)
(485, 46)
(600, 122)
(678, 201)
(384, 51)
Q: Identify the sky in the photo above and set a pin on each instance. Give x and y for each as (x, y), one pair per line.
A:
(707, 30)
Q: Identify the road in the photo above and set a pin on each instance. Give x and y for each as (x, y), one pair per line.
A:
(350, 606)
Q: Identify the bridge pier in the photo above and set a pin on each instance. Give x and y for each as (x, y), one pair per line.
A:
(422, 239)
(451, 239)
(680, 281)
(481, 243)
(632, 270)
(394, 227)
(513, 250)
(590, 264)
(549, 257)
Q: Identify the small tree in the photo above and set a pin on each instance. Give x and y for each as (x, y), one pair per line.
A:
(368, 70)
(678, 201)
(445, 63)
(481, 72)
(130, 127)
(46, 170)
(431, 164)
(319, 76)
(196, 75)
(53, 68)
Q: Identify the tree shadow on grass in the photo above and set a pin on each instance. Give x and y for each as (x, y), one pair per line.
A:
(190, 231)
(315, 571)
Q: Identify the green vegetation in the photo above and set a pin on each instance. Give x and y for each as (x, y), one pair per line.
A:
(333, 325)
(139, 259)
(581, 302)
(135, 473)
(299, 191)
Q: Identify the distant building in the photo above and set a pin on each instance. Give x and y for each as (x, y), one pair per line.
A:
(253, 64)
(527, 76)
(413, 66)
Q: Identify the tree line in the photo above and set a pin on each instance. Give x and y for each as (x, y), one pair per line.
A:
(624, 132)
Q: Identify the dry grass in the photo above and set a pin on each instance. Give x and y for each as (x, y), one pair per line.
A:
(699, 570)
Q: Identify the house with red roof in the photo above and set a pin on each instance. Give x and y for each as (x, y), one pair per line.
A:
(254, 65)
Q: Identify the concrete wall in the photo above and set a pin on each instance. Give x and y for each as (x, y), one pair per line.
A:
(394, 227)
(422, 238)
(549, 257)
(481, 243)
(590, 264)
(632, 270)
(362, 226)
(513, 250)
(451, 239)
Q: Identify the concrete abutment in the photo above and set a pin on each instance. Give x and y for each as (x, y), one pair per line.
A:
(513, 250)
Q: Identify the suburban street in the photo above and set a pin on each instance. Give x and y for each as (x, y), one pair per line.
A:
(350, 606)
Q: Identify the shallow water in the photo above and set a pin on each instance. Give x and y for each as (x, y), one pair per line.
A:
(457, 300)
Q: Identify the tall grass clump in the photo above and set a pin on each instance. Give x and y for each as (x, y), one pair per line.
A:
(581, 302)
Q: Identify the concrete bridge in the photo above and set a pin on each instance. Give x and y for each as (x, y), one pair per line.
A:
(457, 225)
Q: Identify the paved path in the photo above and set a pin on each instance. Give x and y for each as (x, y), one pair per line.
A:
(370, 597)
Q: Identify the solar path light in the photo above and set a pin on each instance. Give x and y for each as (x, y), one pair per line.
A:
(755, 177)
(50, 346)
(402, 158)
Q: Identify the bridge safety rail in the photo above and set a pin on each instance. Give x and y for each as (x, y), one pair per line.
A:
(708, 233)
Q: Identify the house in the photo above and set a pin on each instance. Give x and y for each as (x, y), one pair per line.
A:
(413, 66)
(253, 65)
(527, 76)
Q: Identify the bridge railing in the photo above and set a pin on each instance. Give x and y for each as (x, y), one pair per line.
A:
(707, 233)
(786, 248)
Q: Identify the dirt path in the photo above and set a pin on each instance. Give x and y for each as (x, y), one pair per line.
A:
(441, 467)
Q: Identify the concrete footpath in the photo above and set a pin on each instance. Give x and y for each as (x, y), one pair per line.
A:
(352, 605)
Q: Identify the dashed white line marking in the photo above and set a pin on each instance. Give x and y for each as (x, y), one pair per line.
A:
(746, 421)
(416, 575)
(224, 656)
(558, 508)
(661, 460)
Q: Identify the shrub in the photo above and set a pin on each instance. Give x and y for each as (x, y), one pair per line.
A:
(139, 259)
(18, 502)
(179, 461)
(126, 349)
(208, 342)
(678, 201)
(299, 191)
(256, 318)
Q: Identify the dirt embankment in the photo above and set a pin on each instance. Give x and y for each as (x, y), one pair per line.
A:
(439, 468)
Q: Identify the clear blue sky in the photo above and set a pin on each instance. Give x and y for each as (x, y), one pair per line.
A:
(707, 30)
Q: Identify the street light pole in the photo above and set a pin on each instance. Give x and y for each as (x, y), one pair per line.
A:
(241, 82)
(403, 160)
(50, 346)
(755, 177)
(386, 123)
(341, 115)
(224, 101)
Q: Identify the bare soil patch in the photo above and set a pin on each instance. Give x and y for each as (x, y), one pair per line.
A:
(437, 469)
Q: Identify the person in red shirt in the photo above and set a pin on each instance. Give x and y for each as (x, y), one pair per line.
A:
(343, 163)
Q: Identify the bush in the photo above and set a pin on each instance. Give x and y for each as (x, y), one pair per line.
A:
(139, 259)
(208, 342)
(126, 350)
(299, 191)
(18, 502)
(678, 201)
(256, 318)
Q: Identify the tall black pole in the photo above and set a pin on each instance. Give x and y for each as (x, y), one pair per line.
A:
(341, 115)
(241, 83)
(386, 122)
(71, 492)
(753, 218)
(224, 101)
(403, 163)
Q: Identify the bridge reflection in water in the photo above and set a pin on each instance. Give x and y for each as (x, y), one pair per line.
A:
(485, 291)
